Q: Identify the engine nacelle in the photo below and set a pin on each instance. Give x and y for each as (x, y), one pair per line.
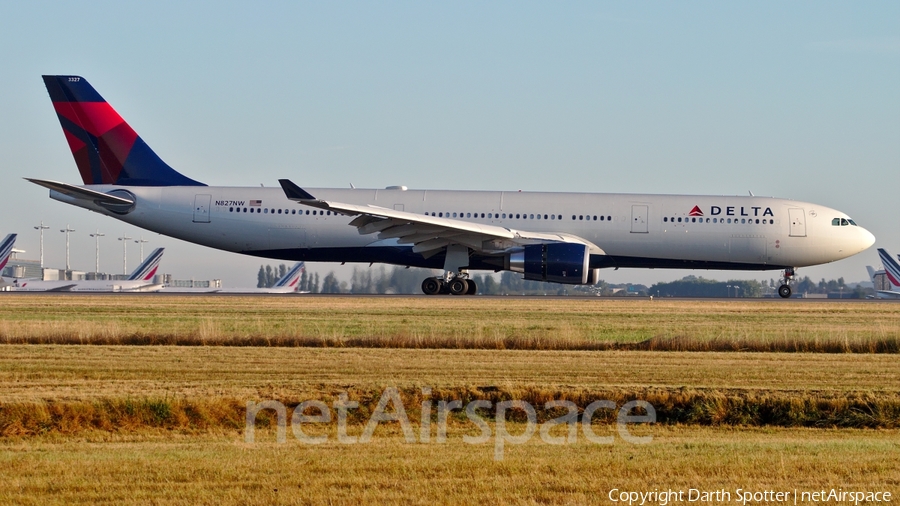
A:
(554, 262)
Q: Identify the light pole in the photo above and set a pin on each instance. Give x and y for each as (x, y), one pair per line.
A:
(42, 227)
(97, 237)
(141, 241)
(728, 290)
(736, 288)
(66, 231)
(124, 240)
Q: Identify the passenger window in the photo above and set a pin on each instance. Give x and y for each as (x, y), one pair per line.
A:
(482, 215)
(531, 216)
(552, 216)
(545, 216)
(595, 217)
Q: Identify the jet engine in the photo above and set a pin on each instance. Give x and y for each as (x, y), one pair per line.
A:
(555, 263)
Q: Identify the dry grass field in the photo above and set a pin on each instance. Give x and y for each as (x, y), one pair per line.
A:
(100, 403)
(217, 469)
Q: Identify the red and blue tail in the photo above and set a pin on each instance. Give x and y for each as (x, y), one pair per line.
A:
(6, 248)
(291, 277)
(106, 149)
(148, 267)
(891, 268)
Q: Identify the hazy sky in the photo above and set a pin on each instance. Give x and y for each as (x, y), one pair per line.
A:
(789, 99)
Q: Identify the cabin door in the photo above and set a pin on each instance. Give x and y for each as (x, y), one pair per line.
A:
(201, 208)
(798, 222)
(638, 219)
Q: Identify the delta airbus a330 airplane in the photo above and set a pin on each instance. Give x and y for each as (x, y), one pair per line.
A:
(556, 237)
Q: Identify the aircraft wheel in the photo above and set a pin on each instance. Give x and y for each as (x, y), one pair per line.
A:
(784, 291)
(458, 286)
(431, 286)
(473, 289)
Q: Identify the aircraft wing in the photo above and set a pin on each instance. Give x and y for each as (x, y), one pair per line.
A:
(429, 234)
(64, 288)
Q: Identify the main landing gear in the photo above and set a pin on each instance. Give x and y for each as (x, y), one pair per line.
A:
(784, 291)
(458, 284)
(455, 280)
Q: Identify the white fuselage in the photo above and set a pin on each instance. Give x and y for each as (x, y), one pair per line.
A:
(97, 286)
(633, 230)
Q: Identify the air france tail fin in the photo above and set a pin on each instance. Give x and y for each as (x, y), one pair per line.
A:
(148, 267)
(292, 278)
(6, 248)
(891, 268)
(106, 149)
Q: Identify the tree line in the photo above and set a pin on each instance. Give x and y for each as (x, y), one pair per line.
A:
(693, 286)
(408, 280)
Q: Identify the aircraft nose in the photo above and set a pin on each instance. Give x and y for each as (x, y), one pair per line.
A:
(866, 239)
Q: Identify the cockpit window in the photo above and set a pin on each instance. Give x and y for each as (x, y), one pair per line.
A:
(843, 222)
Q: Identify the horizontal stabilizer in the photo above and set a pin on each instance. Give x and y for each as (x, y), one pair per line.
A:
(80, 193)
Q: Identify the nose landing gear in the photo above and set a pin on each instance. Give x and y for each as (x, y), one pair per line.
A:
(784, 291)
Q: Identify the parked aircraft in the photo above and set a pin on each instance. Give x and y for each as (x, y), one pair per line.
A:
(891, 274)
(286, 284)
(6, 249)
(556, 237)
(141, 280)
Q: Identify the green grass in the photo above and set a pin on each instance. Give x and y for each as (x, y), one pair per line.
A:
(446, 322)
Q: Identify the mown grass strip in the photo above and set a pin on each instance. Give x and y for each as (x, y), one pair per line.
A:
(673, 407)
(449, 323)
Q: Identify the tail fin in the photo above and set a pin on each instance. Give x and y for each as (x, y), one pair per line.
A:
(871, 270)
(148, 267)
(6, 248)
(292, 278)
(891, 268)
(106, 149)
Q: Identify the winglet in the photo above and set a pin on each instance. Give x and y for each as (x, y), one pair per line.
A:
(294, 192)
